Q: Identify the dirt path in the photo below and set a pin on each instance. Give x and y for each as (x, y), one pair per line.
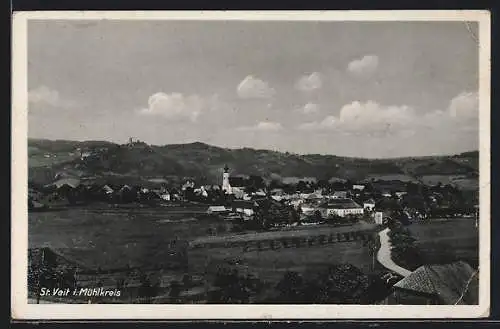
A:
(384, 254)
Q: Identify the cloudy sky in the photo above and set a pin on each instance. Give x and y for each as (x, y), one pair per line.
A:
(366, 89)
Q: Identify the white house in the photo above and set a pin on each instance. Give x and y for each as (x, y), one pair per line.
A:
(107, 189)
(165, 196)
(358, 187)
(244, 207)
(217, 210)
(340, 194)
(342, 207)
(400, 194)
(308, 209)
(369, 205)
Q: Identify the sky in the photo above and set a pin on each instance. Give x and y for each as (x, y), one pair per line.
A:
(363, 89)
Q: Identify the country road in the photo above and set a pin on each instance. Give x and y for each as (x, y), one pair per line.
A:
(384, 254)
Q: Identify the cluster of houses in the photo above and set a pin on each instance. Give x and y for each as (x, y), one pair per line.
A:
(240, 196)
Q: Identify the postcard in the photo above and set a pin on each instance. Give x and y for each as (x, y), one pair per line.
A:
(251, 165)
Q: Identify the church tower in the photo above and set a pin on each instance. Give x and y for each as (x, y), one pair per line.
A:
(226, 187)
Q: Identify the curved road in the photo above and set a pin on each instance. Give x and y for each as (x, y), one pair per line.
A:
(384, 254)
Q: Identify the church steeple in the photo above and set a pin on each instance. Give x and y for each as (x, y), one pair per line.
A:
(225, 180)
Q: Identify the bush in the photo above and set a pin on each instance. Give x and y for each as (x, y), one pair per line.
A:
(339, 284)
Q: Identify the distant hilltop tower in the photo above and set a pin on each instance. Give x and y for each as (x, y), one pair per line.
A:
(226, 187)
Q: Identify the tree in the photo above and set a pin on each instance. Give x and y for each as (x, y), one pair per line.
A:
(302, 186)
(256, 181)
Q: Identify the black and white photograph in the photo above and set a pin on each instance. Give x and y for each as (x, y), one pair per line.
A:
(251, 165)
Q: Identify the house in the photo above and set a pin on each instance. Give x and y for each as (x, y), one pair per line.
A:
(201, 191)
(400, 194)
(72, 182)
(308, 208)
(188, 184)
(244, 207)
(277, 191)
(238, 192)
(438, 284)
(107, 190)
(295, 180)
(260, 193)
(164, 195)
(85, 155)
(369, 205)
(340, 194)
(358, 187)
(342, 208)
(296, 203)
(239, 181)
(218, 210)
(379, 218)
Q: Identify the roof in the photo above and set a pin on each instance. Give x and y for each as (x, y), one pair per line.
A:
(217, 208)
(238, 181)
(341, 204)
(296, 180)
(73, 182)
(244, 204)
(454, 283)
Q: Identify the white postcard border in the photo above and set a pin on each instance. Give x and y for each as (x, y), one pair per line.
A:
(20, 308)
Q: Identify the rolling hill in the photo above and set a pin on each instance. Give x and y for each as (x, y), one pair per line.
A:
(139, 161)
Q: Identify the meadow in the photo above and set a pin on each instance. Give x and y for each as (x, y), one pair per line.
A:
(114, 239)
(447, 240)
(107, 237)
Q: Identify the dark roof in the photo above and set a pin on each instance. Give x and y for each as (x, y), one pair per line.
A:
(454, 283)
(243, 204)
(238, 181)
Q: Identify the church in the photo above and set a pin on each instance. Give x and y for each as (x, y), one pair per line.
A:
(237, 191)
(226, 187)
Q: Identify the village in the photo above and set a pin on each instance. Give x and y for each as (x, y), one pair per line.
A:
(291, 201)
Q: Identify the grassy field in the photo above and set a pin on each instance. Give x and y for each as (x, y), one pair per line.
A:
(114, 238)
(270, 265)
(462, 182)
(447, 240)
(111, 238)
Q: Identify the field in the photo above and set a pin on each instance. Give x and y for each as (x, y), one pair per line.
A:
(113, 239)
(445, 240)
(462, 182)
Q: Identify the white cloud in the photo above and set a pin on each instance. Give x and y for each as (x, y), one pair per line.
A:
(370, 113)
(309, 108)
(465, 106)
(176, 106)
(327, 123)
(308, 83)
(371, 118)
(44, 95)
(364, 66)
(263, 126)
(252, 87)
